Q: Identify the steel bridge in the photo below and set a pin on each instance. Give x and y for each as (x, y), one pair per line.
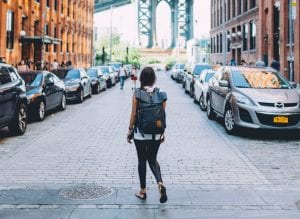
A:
(181, 18)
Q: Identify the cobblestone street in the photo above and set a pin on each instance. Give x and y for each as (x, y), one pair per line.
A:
(206, 171)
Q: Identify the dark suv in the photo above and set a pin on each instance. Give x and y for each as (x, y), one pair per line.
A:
(13, 101)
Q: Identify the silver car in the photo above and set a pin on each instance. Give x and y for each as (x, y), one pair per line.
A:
(253, 98)
(201, 88)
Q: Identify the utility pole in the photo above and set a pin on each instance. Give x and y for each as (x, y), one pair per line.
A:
(291, 43)
(224, 35)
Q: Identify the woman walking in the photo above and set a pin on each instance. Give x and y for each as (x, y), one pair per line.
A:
(147, 145)
(133, 77)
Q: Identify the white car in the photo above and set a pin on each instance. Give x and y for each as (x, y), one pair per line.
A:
(191, 75)
(201, 88)
(178, 67)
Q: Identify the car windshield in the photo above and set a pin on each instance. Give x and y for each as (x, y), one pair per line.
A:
(33, 80)
(208, 76)
(199, 68)
(92, 73)
(105, 70)
(116, 65)
(259, 79)
(73, 74)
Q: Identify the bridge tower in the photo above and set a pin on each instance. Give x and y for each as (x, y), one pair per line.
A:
(181, 18)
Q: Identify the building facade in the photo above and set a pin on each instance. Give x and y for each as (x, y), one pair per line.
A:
(44, 30)
(279, 35)
(253, 30)
(233, 31)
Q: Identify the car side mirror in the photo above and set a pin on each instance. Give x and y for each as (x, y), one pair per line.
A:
(224, 83)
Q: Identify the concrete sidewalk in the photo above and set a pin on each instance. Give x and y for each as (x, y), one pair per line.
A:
(205, 202)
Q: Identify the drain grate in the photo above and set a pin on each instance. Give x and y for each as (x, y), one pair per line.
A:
(85, 191)
(298, 204)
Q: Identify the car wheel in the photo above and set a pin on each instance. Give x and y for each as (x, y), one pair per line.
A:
(98, 89)
(229, 123)
(19, 123)
(191, 92)
(185, 90)
(41, 111)
(63, 103)
(81, 98)
(90, 92)
(195, 100)
(210, 111)
(202, 103)
(183, 85)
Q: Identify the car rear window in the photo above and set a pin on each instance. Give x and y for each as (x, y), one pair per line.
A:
(92, 72)
(73, 74)
(199, 68)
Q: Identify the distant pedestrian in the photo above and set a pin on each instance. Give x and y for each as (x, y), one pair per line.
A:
(232, 62)
(243, 62)
(122, 76)
(22, 66)
(275, 64)
(55, 64)
(133, 77)
(146, 139)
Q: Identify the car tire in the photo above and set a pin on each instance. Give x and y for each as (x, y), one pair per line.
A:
(81, 98)
(202, 103)
(229, 123)
(90, 92)
(210, 111)
(195, 100)
(183, 84)
(63, 103)
(97, 91)
(18, 124)
(41, 111)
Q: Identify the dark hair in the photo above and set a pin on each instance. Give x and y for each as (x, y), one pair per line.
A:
(147, 77)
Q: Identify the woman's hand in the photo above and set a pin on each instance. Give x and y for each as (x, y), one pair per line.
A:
(130, 136)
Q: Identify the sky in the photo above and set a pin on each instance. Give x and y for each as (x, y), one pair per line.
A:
(124, 21)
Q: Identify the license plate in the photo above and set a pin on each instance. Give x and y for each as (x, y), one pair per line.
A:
(281, 119)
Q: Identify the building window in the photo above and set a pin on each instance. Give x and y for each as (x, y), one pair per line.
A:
(245, 5)
(218, 45)
(239, 7)
(228, 41)
(252, 35)
(46, 29)
(233, 8)
(252, 4)
(245, 37)
(10, 30)
(48, 3)
(55, 5)
(221, 43)
(228, 10)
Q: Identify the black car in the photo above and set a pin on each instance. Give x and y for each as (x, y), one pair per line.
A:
(98, 82)
(78, 84)
(13, 101)
(44, 92)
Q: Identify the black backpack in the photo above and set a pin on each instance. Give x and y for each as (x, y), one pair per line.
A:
(151, 116)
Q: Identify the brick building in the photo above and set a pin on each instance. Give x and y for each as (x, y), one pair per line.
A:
(256, 30)
(44, 30)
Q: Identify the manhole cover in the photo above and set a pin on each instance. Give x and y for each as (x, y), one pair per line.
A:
(298, 204)
(85, 191)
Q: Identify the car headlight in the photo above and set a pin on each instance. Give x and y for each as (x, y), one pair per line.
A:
(240, 98)
(73, 87)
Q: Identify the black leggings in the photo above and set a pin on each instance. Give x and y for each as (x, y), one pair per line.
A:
(147, 150)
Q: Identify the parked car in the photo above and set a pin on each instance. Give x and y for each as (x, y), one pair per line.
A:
(113, 70)
(78, 85)
(201, 88)
(98, 82)
(253, 98)
(13, 101)
(177, 68)
(192, 73)
(108, 75)
(45, 91)
(116, 65)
